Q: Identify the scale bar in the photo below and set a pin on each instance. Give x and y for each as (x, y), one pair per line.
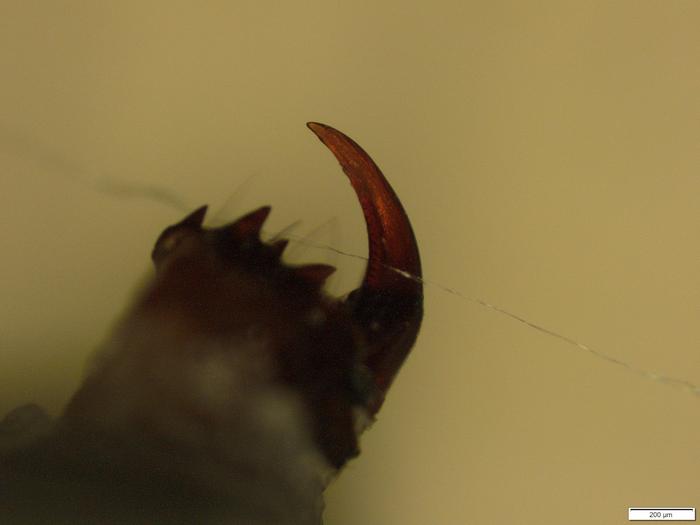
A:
(661, 514)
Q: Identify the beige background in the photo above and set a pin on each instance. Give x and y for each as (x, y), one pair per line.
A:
(546, 152)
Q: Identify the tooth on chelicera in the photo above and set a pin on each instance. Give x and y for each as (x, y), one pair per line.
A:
(278, 247)
(314, 274)
(194, 219)
(249, 225)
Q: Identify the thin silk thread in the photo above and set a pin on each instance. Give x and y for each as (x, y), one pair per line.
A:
(674, 382)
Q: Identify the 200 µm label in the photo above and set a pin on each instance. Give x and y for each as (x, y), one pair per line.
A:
(661, 514)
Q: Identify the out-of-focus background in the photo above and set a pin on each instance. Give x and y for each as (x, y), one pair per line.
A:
(546, 153)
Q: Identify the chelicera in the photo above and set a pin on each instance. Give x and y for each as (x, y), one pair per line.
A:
(234, 360)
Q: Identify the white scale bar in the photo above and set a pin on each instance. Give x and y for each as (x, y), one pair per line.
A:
(661, 514)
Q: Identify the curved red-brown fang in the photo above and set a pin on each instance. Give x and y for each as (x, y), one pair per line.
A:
(389, 303)
(391, 240)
